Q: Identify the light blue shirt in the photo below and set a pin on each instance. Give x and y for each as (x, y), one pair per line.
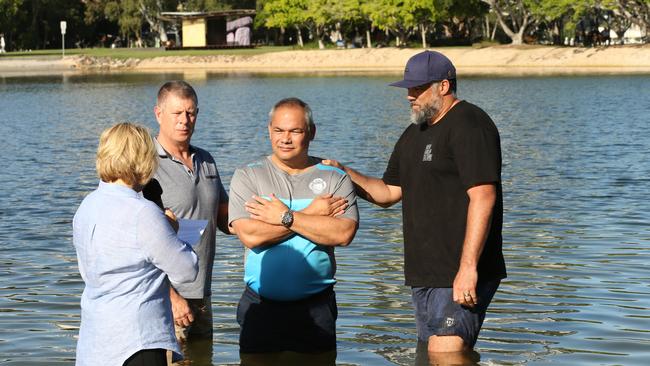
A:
(296, 267)
(126, 251)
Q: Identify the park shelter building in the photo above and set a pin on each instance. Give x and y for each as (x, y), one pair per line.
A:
(215, 29)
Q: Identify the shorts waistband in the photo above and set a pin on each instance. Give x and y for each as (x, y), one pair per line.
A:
(319, 295)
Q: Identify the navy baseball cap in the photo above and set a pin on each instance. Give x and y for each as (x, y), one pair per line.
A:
(424, 68)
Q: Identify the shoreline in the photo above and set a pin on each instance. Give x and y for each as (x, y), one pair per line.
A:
(488, 61)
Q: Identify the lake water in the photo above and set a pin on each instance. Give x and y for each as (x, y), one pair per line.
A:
(576, 181)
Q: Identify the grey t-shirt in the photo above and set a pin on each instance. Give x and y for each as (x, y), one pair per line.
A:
(191, 194)
(296, 267)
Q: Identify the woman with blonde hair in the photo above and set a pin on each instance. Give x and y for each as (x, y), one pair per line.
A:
(128, 253)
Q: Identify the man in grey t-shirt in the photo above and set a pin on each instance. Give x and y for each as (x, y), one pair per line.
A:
(285, 210)
(187, 182)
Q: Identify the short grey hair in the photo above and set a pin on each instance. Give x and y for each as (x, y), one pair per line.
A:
(296, 103)
(453, 84)
(178, 88)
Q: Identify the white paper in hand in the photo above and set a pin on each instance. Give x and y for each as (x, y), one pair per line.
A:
(190, 231)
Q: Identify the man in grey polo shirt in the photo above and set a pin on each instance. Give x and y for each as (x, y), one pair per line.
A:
(284, 209)
(187, 182)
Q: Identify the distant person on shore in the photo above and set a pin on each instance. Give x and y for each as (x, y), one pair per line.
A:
(127, 253)
(2, 43)
(290, 211)
(446, 169)
(187, 182)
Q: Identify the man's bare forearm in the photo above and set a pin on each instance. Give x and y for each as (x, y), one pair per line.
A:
(324, 230)
(264, 226)
(479, 217)
(373, 189)
(222, 218)
(255, 233)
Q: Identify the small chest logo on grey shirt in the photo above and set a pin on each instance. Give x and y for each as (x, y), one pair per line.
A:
(317, 186)
(428, 155)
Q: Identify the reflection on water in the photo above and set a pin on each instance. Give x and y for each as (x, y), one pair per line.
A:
(424, 358)
(288, 359)
(576, 178)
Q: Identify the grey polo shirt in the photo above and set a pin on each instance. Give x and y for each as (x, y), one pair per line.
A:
(191, 195)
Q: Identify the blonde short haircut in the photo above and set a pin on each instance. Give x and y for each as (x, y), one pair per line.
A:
(126, 151)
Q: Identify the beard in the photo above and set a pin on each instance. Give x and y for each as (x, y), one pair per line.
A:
(427, 113)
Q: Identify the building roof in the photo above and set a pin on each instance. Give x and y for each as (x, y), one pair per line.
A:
(175, 15)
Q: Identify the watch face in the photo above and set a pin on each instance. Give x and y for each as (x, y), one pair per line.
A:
(287, 218)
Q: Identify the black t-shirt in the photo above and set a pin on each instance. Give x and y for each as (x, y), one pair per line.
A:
(435, 165)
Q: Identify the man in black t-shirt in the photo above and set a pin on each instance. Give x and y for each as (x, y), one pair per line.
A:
(446, 169)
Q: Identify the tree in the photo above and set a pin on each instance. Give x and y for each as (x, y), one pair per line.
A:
(132, 14)
(635, 11)
(34, 24)
(284, 14)
(390, 16)
(331, 15)
(459, 17)
(364, 17)
(9, 10)
(349, 14)
(514, 17)
(214, 5)
(320, 16)
(202, 5)
(555, 13)
(422, 14)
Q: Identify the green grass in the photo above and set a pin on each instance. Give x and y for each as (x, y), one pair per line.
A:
(124, 53)
(143, 53)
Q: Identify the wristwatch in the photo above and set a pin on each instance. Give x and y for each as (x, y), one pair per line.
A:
(287, 218)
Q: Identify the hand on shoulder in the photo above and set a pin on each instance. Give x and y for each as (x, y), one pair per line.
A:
(333, 163)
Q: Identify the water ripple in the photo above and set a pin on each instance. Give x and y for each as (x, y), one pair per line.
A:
(575, 180)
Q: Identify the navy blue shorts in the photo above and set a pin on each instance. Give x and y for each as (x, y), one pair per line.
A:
(437, 314)
(148, 357)
(306, 326)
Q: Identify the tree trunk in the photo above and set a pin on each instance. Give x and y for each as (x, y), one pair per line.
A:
(368, 40)
(319, 35)
(557, 33)
(517, 32)
(162, 32)
(34, 31)
(423, 32)
(299, 34)
(339, 37)
(155, 23)
(470, 30)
